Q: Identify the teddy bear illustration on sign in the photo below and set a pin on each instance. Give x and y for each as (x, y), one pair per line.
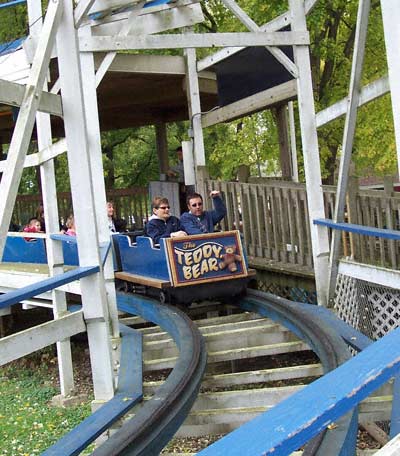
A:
(229, 258)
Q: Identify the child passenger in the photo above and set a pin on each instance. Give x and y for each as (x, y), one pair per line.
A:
(70, 224)
(33, 226)
(162, 224)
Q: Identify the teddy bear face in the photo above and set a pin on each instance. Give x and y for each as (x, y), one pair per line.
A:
(230, 249)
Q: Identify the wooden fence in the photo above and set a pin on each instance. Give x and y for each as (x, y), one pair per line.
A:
(273, 217)
(130, 204)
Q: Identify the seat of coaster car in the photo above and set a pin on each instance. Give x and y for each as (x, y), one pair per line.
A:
(132, 236)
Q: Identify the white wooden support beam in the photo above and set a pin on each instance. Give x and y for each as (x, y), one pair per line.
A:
(292, 136)
(12, 93)
(33, 339)
(348, 140)
(252, 26)
(82, 9)
(97, 176)
(44, 155)
(125, 30)
(251, 104)
(184, 14)
(192, 40)
(392, 448)
(276, 24)
(93, 288)
(368, 93)
(391, 21)
(100, 6)
(193, 95)
(49, 191)
(24, 125)
(312, 167)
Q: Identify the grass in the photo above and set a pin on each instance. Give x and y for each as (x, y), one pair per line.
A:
(28, 425)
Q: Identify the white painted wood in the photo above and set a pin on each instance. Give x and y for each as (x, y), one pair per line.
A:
(319, 237)
(292, 137)
(369, 273)
(276, 24)
(149, 64)
(25, 121)
(251, 104)
(15, 67)
(12, 93)
(392, 448)
(192, 40)
(188, 163)
(54, 249)
(81, 10)
(107, 5)
(368, 93)
(348, 140)
(193, 95)
(391, 20)
(252, 26)
(97, 176)
(127, 27)
(168, 19)
(93, 287)
(33, 339)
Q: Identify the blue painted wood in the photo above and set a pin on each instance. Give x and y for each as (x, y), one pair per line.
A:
(142, 258)
(359, 229)
(12, 3)
(395, 417)
(156, 3)
(296, 420)
(16, 296)
(19, 250)
(129, 393)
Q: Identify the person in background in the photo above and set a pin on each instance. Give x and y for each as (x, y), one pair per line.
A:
(33, 226)
(40, 217)
(114, 225)
(70, 224)
(162, 224)
(199, 221)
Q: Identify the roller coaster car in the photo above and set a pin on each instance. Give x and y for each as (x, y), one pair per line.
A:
(183, 270)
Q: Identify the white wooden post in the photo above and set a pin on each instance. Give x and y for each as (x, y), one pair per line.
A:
(193, 94)
(93, 288)
(348, 138)
(54, 248)
(391, 21)
(319, 236)
(293, 149)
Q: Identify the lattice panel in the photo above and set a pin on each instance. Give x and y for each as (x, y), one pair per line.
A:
(292, 293)
(372, 309)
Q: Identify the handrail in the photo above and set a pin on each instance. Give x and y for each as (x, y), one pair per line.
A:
(303, 415)
(359, 229)
(14, 297)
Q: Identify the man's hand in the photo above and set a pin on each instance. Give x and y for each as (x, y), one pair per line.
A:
(214, 193)
(178, 234)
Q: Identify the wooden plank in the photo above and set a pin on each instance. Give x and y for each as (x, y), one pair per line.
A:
(16, 296)
(390, 449)
(251, 104)
(290, 424)
(191, 41)
(25, 342)
(141, 280)
(12, 94)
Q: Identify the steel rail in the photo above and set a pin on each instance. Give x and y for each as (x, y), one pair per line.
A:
(156, 422)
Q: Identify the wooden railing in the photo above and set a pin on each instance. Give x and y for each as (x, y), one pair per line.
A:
(130, 204)
(273, 218)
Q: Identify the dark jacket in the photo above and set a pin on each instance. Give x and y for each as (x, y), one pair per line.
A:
(204, 224)
(157, 228)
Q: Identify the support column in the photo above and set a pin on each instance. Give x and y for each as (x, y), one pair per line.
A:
(391, 21)
(93, 287)
(283, 137)
(162, 147)
(54, 248)
(348, 139)
(293, 149)
(312, 169)
(193, 95)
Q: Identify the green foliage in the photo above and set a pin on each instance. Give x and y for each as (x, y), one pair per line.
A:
(28, 425)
